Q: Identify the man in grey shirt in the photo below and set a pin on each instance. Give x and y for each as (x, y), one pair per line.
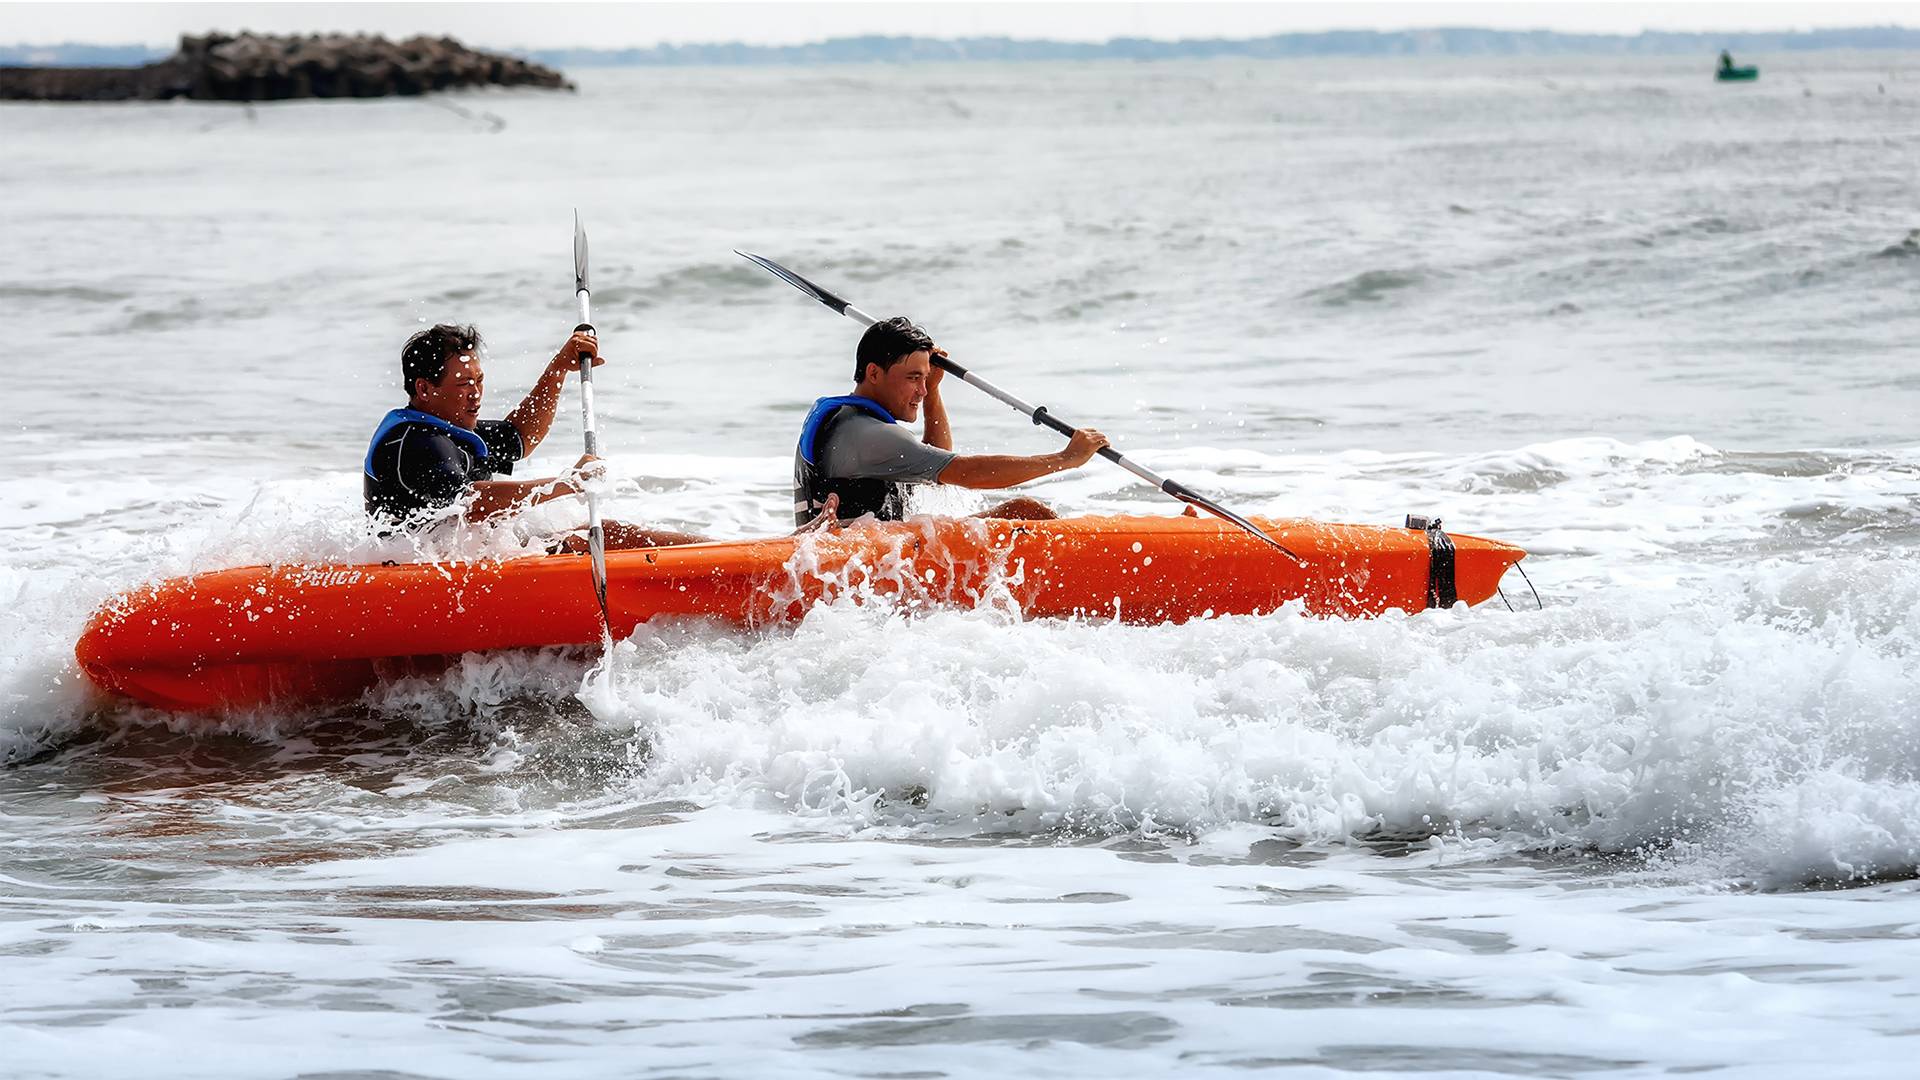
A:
(856, 457)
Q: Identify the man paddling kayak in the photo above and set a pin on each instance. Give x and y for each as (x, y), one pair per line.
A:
(437, 451)
(854, 450)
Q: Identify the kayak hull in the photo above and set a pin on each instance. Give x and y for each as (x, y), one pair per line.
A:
(288, 636)
(1739, 74)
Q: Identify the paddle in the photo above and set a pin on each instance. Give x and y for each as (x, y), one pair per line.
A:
(596, 537)
(1038, 414)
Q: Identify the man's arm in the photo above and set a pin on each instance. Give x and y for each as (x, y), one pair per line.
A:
(1006, 470)
(533, 417)
(491, 497)
(938, 432)
(488, 498)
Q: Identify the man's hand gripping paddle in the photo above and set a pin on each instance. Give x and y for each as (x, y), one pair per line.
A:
(1038, 414)
(596, 536)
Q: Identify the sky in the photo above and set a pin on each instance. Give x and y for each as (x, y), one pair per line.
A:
(612, 26)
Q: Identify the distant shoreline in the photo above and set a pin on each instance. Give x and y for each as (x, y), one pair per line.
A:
(1440, 41)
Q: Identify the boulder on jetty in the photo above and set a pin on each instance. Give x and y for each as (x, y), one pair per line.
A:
(261, 67)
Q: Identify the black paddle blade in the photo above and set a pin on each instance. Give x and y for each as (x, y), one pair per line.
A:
(795, 280)
(579, 254)
(1187, 495)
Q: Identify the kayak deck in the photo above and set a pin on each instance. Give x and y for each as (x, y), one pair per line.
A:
(274, 636)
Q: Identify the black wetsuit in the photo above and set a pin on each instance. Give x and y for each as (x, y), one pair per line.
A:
(417, 463)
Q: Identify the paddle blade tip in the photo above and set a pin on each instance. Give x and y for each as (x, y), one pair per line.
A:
(579, 253)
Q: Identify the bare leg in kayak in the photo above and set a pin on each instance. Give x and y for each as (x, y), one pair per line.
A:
(1026, 509)
(1022, 508)
(621, 536)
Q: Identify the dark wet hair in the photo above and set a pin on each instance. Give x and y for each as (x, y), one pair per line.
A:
(887, 343)
(426, 353)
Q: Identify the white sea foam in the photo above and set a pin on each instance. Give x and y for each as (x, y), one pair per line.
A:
(1679, 699)
(1614, 724)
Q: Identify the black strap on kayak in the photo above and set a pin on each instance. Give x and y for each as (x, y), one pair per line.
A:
(1442, 586)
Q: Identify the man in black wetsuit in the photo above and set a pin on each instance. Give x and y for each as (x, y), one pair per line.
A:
(437, 451)
(856, 451)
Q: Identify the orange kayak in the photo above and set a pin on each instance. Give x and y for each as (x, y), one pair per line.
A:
(288, 636)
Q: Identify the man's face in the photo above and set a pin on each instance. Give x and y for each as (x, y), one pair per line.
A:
(901, 388)
(456, 397)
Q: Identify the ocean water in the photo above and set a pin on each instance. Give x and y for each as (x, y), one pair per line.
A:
(1658, 331)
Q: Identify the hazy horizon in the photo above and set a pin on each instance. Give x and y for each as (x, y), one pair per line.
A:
(606, 26)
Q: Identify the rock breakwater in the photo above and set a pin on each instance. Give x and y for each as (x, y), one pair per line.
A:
(259, 67)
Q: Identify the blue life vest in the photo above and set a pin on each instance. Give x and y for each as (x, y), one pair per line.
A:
(810, 431)
(859, 496)
(397, 417)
